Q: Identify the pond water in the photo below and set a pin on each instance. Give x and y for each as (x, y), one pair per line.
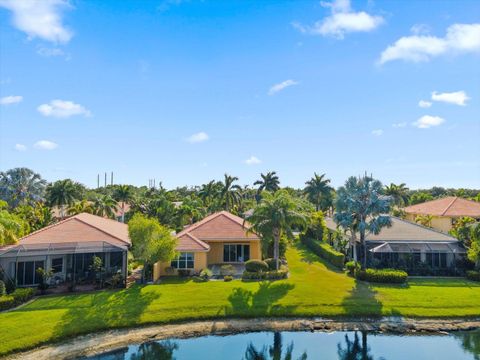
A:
(348, 345)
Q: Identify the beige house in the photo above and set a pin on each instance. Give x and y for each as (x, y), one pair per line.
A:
(444, 211)
(220, 238)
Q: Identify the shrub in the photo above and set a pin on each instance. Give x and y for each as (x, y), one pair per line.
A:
(19, 296)
(473, 275)
(324, 250)
(281, 273)
(272, 264)
(184, 272)
(227, 270)
(227, 278)
(351, 266)
(206, 274)
(3, 289)
(387, 276)
(256, 266)
(169, 270)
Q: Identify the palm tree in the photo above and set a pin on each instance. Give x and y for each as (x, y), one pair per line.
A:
(105, 206)
(361, 207)
(62, 193)
(21, 185)
(11, 226)
(398, 193)
(208, 192)
(276, 216)
(124, 195)
(268, 182)
(230, 193)
(319, 192)
(424, 220)
(79, 207)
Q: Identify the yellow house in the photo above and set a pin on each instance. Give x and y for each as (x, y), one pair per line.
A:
(444, 211)
(220, 238)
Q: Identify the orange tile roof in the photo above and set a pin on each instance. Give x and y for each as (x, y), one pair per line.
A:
(451, 206)
(219, 226)
(80, 228)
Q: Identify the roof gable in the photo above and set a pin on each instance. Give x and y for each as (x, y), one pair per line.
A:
(448, 206)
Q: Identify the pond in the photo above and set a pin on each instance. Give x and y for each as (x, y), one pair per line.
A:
(347, 345)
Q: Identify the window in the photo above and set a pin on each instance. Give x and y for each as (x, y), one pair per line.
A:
(183, 261)
(57, 265)
(236, 253)
(438, 260)
(27, 272)
(116, 259)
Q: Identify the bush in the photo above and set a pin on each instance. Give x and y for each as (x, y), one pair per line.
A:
(282, 273)
(473, 275)
(272, 264)
(206, 274)
(324, 250)
(169, 270)
(227, 278)
(256, 266)
(18, 297)
(387, 276)
(184, 272)
(352, 266)
(3, 289)
(227, 270)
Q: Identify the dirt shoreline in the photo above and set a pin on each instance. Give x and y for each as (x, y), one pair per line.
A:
(113, 339)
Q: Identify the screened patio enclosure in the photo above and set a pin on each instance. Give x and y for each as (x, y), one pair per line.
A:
(69, 262)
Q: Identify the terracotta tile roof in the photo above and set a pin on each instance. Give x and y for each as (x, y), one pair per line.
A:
(451, 206)
(80, 228)
(219, 226)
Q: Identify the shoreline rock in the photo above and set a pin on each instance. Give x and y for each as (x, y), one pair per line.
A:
(96, 343)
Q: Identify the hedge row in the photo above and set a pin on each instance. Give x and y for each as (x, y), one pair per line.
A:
(325, 251)
(473, 275)
(267, 275)
(391, 276)
(19, 296)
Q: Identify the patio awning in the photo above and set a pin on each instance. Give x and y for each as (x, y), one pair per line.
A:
(426, 247)
(22, 250)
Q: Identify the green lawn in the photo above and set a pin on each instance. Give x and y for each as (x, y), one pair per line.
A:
(313, 289)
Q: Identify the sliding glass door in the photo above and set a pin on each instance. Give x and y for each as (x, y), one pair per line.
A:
(236, 253)
(27, 272)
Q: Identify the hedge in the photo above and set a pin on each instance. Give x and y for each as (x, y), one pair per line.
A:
(352, 266)
(272, 263)
(256, 266)
(19, 296)
(473, 275)
(282, 273)
(387, 276)
(325, 251)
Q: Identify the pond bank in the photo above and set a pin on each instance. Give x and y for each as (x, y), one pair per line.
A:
(108, 340)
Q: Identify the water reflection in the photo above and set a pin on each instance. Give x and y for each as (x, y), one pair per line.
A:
(273, 352)
(470, 341)
(354, 350)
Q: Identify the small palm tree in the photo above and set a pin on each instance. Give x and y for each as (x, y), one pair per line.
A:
(231, 193)
(123, 194)
(276, 216)
(268, 182)
(11, 226)
(62, 193)
(79, 207)
(319, 192)
(105, 206)
(398, 193)
(425, 220)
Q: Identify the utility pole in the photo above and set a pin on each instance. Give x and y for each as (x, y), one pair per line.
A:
(105, 179)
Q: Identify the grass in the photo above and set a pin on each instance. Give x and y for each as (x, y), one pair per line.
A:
(313, 289)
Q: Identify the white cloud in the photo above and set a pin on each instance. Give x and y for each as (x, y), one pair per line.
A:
(253, 160)
(20, 147)
(377, 132)
(62, 109)
(460, 38)
(428, 121)
(458, 97)
(281, 86)
(424, 104)
(342, 20)
(198, 137)
(400, 125)
(52, 52)
(45, 145)
(12, 99)
(39, 18)
(419, 29)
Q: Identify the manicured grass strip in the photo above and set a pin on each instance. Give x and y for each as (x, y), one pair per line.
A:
(313, 289)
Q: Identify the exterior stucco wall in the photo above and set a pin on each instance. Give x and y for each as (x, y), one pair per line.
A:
(199, 263)
(440, 223)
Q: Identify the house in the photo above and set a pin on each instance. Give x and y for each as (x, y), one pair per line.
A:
(220, 238)
(444, 211)
(415, 248)
(67, 248)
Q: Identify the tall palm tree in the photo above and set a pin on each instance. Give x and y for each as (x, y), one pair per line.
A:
(123, 194)
(208, 192)
(361, 207)
(398, 193)
(21, 185)
(62, 193)
(105, 206)
(319, 192)
(231, 193)
(79, 207)
(276, 216)
(268, 182)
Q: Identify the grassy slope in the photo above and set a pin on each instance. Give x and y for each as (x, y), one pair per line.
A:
(312, 290)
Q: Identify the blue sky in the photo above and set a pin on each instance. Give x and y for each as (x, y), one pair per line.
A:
(184, 91)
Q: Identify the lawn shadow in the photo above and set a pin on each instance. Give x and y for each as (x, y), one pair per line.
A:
(309, 257)
(262, 302)
(362, 301)
(104, 309)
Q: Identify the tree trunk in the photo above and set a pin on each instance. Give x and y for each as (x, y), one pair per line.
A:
(123, 212)
(276, 247)
(362, 242)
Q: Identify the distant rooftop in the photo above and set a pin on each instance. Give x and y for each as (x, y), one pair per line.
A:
(451, 206)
